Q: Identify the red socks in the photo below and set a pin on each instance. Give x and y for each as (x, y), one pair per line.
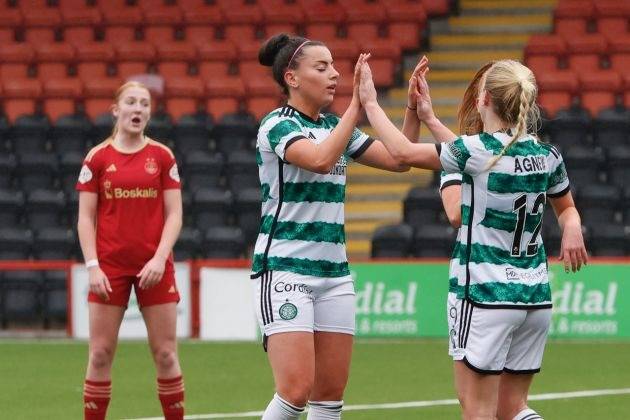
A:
(171, 394)
(96, 396)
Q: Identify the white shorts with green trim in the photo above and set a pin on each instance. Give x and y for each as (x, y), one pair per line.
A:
(288, 301)
(493, 341)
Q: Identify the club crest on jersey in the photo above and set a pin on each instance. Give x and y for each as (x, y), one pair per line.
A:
(288, 311)
(107, 189)
(173, 173)
(150, 166)
(85, 175)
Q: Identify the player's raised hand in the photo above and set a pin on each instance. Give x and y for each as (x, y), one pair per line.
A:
(424, 106)
(412, 91)
(356, 80)
(367, 91)
(152, 272)
(572, 250)
(99, 283)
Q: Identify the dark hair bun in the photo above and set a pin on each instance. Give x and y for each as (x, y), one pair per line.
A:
(271, 48)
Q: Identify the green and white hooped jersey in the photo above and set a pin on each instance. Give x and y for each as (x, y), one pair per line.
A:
(499, 259)
(446, 180)
(302, 226)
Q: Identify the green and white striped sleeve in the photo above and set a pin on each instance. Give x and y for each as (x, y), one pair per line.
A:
(446, 179)
(558, 184)
(359, 142)
(279, 134)
(465, 154)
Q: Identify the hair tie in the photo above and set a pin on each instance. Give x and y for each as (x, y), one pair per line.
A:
(296, 51)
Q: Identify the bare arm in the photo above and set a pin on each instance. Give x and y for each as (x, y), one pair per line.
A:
(411, 123)
(153, 270)
(320, 158)
(572, 250)
(424, 109)
(86, 228)
(377, 156)
(452, 201)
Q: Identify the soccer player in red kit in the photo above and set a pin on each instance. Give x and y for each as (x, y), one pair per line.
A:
(130, 214)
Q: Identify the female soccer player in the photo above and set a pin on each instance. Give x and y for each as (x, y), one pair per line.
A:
(305, 298)
(130, 214)
(502, 305)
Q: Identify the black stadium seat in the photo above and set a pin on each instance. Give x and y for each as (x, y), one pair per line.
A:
(434, 240)
(21, 296)
(70, 133)
(103, 126)
(15, 243)
(235, 131)
(188, 244)
(54, 298)
(8, 164)
(54, 243)
(211, 207)
(202, 170)
(224, 242)
(11, 207)
(247, 210)
(160, 128)
(44, 208)
(612, 127)
(598, 202)
(29, 134)
(619, 165)
(69, 168)
(609, 240)
(583, 164)
(392, 241)
(422, 206)
(37, 170)
(570, 127)
(192, 132)
(241, 170)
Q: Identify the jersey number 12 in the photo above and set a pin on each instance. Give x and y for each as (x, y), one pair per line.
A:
(520, 208)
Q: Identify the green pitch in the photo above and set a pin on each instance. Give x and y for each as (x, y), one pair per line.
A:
(43, 380)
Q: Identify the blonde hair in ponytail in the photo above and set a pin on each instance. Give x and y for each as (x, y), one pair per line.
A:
(119, 93)
(513, 91)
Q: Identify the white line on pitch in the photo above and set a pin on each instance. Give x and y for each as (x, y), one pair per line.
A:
(413, 404)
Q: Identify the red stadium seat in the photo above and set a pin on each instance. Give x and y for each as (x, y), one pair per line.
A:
(175, 58)
(61, 96)
(36, 36)
(383, 71)
(240, 32)
(241, 21)
(10, 17)
(272, 29)
(183, 96)
(120, 34)
(99, 95)
(572, 17)
(599, 90)
(281, 12)
(7, 36)
(547, 44)
(343, 49)
(77, 14)
(322, 19)
(626, 87)
(586, 51)
(200, 13)
(133, 57)
(557, 89)
(78, 35)
(261, 86)
(211, 69)
(224, 95)
(253, 69)
(381, 48)
(345, 67)
(542, 63)
(46, 17)
(21, 96)
(261, 106)
(248, 50)
(407, 20)
(159, 34)
(161, 14)
(217, 50)
(340, 104)
(620, 53)
(53, 60)
(93, 59)
(15, 60)
(200, 34)
(120, 15)
(436, 7)
(363, 20)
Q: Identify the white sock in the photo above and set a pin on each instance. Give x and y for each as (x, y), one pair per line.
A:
(324, 410)
(528, 414)
(279, 409)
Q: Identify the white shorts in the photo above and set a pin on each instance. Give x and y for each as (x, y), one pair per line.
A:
(493, 341)
(288, 301)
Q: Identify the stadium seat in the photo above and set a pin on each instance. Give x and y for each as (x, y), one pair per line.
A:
(37, 171)
(15, 243)
(201, 13)
(626, 204)
(99, 97)
(61, 96)
(322, 19)
(556, 90)
(246, 207)
(618, 164)
(160, 128)
(599, 90)
(433, 241)
(364, 21)
(224, 242)
(545, 45)
(280, 16)
(44, 208)
(7, 169)
(133, 57)
(183, 95)
(598, 202)
(552, 236)
(10, 17)
(69, 133)
(11, 207)
(103, 126)
(571, 17)
(242, 22)
(53, 60)
(188, 244)
(224, 95)
(21, 97)
(53, 243)
(241, 170)
(175, 58)
(69, 168)
(235, 131)
(29, 134)
(570, 127)
(72, 211)
(79, 35)
(203, 170)
(192, 132)
(611, 127)
(15, 61)
(619, 47)
(93, 59)
(215, 51)
(612, 17)
(407, 21)
(586, 52)
(436, 7)
(540, 64)
(211, 207)
(421, 206)
(21, 297)
(583, 164)
(609, 240)
(392, 241)
(54, 298)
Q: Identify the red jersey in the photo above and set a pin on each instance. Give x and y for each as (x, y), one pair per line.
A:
(130, 212)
